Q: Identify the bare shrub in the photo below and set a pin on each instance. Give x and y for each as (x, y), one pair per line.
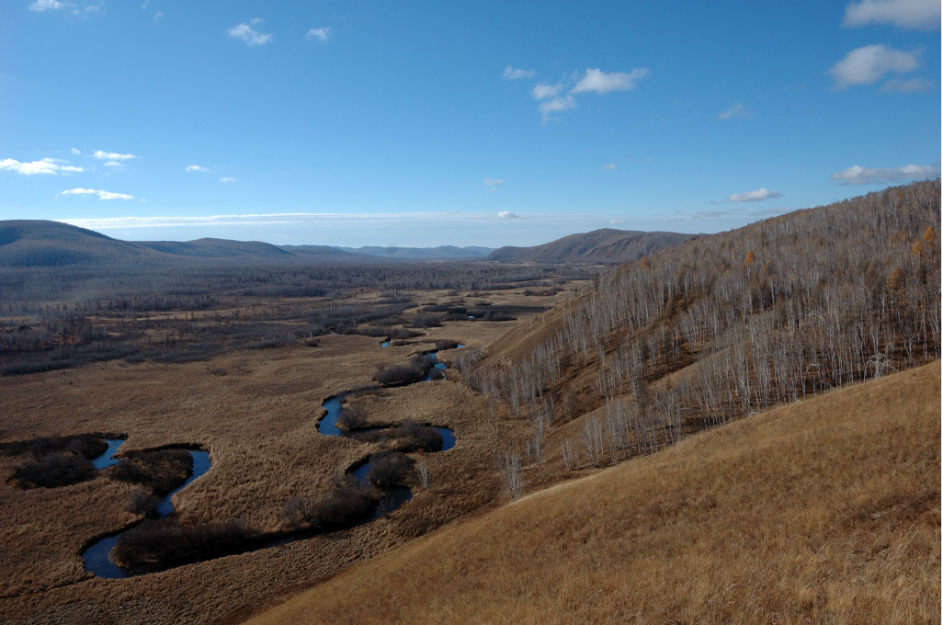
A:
(511, 475)
(390, 469)
(421, 468)
(57, 469)
(160, 470)
(345, 504)
(351, 419)
(400, 375)
(142, 501)
(426, 321)
(162, 543)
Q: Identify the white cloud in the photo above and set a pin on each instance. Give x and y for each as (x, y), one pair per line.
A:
(516, 74)
(45, 166)
(507, 215)
(112, 156)
(754, 196)
(868, 64)
(490, 190)
(867, 175)
(917, 14)
(195, 168)
(114, 164)
(907, 86)
(543, 90)
(103, 195)
(47, 5)
(598, 81)
(158, 16)
(557, 105)
(247, 34)
(610, 167)
(322, 34)
(76, 151)
(736, 110)
(493, 182)
(227, 179)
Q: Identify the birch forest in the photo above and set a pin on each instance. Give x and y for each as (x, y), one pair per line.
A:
(728, 325)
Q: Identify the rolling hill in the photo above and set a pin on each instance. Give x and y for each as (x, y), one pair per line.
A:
(35, 243)
(599, 246)
(821, 511)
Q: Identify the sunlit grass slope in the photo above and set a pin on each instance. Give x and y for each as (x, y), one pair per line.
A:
(821, 511)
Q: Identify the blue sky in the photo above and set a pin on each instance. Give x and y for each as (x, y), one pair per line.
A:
(477, 123)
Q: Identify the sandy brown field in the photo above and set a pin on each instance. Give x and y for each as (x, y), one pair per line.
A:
(255, 411)
(823, 511)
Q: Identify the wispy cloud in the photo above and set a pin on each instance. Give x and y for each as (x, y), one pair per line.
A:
(610, 167)
(492, 184)
(558, 104)
(112, 156)
(544, 90)
(907, 86)
(297, 219)
(597, 81)
(227, 179)
(250, 36)
(157, 17)
(47, 5)
(867, 175)
(916, 14)
(195, 168)
(321, 34)
(736, 110)
(76, 151)
(553, 98)
(46, 166)
(516, 74)
(866, 65)
(754, 196)
(102, 194)
(730, 213)
(114, 164)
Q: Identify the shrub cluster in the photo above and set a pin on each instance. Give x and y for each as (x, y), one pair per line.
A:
(352, 419)
(56, 469)
(390, 468)
(408, 437)
(345, 504)
(400, 375)
(160, 470)
(163, 543)
(56, 461)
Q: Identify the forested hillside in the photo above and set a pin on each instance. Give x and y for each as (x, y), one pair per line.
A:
(724, 326)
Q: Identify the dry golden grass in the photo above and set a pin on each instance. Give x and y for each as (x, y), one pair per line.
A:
(821, 511)
(259, 423)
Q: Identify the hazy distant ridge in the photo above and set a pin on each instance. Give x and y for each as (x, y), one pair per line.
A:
(599, 246)
(35, 243)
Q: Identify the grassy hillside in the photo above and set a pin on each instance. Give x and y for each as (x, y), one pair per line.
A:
(826, 510)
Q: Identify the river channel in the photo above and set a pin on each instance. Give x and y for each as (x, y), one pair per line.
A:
(97, 556)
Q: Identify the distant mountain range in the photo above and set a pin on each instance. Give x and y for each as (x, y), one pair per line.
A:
(27, 243)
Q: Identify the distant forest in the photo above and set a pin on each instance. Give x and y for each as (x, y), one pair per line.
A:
(55, 318)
